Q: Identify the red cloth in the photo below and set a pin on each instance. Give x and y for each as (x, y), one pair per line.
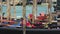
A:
(40, 17)
(33, 26)
(30, 15)
(28, 24)
(11, 22)
(4, 20)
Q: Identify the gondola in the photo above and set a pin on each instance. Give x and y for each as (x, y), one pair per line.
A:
(17, 29)
(7, 30)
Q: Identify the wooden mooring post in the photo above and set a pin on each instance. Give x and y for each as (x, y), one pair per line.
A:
(8, 10)
(24, 16)
(1, 11)
(34, 11)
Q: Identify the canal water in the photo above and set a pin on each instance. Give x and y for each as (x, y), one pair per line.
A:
(40, 9)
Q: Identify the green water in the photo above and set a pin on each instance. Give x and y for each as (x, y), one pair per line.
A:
(28, 10)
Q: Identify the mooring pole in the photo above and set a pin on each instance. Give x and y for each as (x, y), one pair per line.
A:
(34, 11)
(24, 16)
(1, 10)
(8, 10)
(49, 10)
(14, 8)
